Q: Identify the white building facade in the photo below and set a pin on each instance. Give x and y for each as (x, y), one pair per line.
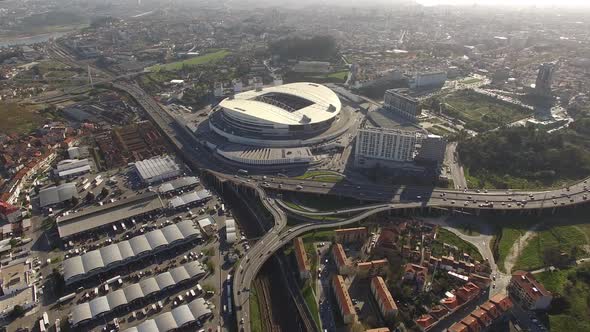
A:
(384, 144)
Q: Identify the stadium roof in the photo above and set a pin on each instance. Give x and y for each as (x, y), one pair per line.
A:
(320, 103)
(176, 318)
(105, 258)
(101, 305)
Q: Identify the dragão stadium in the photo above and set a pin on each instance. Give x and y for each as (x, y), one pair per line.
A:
(276, 125)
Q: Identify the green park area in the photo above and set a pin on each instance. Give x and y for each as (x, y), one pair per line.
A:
(444, 236)
(551, 245)
(195, 61)
(480, 112)
(526, 158)
(18, 119)
(571, 297)
(255, 317)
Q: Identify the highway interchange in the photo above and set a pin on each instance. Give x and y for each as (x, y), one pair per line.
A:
(391, 197)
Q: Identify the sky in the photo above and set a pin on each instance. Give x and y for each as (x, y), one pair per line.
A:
(538, 3)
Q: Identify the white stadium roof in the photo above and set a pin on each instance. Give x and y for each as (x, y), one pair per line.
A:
(324, 104)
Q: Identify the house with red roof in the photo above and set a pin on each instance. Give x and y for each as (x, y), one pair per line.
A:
(528, 291)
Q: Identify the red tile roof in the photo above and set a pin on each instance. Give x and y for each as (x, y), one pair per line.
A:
(472, 323)
(458, 327)
(530, 285)
(339, 255)
(482, 316)
(502, 301)
(425, 321)
(383, 293)
(301, 255)
(491, 309)
(342, 294)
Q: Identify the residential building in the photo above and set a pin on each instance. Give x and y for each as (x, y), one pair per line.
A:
(342, 263)
(544, 80)
(432, 149)
(467, 292)
(484, 316)
(471, 323)
(458, 327)
(301, 256)
(9, 212)
(415, 272)
(401, 103)
(383, 297)
(343, 300)
(528, 291)
(349, 235)
(384, 144)
(428, 80)
(379, 329)
(372, 268)
(426, 322)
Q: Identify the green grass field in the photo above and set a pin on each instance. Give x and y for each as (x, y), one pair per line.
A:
(481, 113)
(198, 60)
(255, 320)
(311, 302)
(321, 176)
(573, 287)
(445, 236)
(18, 118)
(319, 236)
(563, 238)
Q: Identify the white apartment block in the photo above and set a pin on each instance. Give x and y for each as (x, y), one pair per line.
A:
(384, 144)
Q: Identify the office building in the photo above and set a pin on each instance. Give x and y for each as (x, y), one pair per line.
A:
(383, 298)
(528, 291)
(402, 104)
(384, 144)
(343, 300)
(432, 149)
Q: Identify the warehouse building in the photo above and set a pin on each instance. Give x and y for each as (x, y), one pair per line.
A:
(121, 298)
(102, 260)
(157, 169)
(57, 194)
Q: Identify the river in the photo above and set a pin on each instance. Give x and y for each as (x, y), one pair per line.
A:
(11, 41)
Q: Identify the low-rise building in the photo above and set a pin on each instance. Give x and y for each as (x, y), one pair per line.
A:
(426, 322)
(416, 273)
(528, 291)
(157, 169)
(9, 213)
(383, 297)
(349, 235)
(343, 300)
(303, 265)
(207, 225)
(372, 268)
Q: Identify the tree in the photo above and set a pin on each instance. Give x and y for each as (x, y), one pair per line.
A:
(17, 311)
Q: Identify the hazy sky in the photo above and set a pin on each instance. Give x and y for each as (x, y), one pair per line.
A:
(539, 3)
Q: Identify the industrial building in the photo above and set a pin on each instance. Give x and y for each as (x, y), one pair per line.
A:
(231, 233)
(57, 194)
(179, 317)
(121, 298)
(183, 183)
(188, 199)
(401, 103)
(102, 260)
(90, 219)
(157, 169)
(69, 168)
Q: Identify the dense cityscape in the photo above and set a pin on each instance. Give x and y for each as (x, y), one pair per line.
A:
(265, 166)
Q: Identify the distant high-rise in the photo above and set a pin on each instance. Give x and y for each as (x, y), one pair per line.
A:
(544, 79)
(401, 103)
